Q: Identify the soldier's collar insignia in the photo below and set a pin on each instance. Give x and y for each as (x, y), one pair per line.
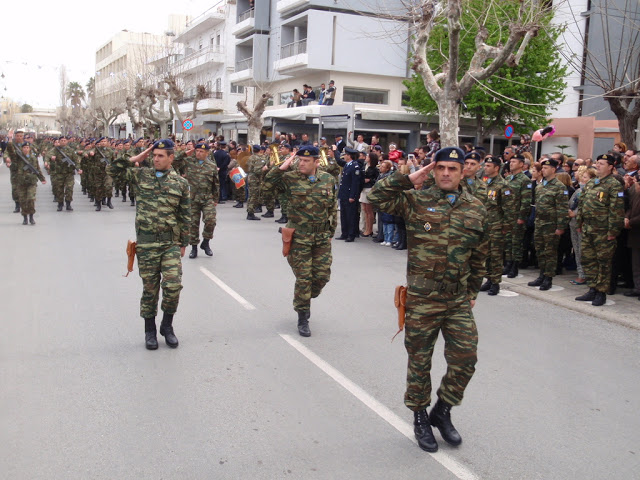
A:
(159, 174)
(452, 197)
(427, 227)
(597, 181)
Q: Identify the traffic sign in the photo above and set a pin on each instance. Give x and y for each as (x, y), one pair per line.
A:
(187, 124)
(508, 131)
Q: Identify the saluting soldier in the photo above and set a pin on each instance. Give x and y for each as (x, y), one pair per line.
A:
(27, 175)
(600, 219)
(447, 251)
(162, 235)
(202, 175)
(552, 217)
(498, 204)
(312, 213)
(521, 189)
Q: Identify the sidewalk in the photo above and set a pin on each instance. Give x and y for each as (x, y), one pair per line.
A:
(618, 309)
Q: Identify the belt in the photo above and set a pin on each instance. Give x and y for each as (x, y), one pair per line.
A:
(312, 228)
(421, 282)
(154, 237)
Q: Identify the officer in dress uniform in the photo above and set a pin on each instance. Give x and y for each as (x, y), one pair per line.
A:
(348, 195)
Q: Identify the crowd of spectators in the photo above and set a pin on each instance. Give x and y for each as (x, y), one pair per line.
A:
(326, 95)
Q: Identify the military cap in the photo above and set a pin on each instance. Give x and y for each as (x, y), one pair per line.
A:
(200, 140)
(202, 146)
(473, 156)
(551, 162)
(128, 140)
(164, 144)
(610, 159)
(222, 143)
(100, 139)
(493, 160)
(479, 147)
(308, 151)
(351, 152)
(141, 138)
(518, 156)
(255, 148)
(263, 148)
(449, 154)
(286, 145)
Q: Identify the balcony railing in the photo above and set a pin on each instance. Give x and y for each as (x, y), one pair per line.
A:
(246, 14)
(294, 48)
(191, 98)
(245, 64)
(197, 54)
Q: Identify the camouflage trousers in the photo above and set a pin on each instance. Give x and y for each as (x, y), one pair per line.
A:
(13, 177)
(238, 194)
(207, 210)
(103, 185)
(515, 243)
(159, 265)
(546, 243)
(495, 255)
(597, 259)
(426, 316)
(310, 260)
(63, 187)
(254, 194)
(27, 199)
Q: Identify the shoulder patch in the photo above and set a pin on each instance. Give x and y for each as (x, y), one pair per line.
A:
(431, 209)
(529, 185)
(507, 192)
(621, 194)
(566, 192)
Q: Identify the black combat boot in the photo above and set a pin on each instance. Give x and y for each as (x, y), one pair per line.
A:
(258, 210)
(423, 432)
(117, 194)
(150, 334)
(283, 219)
(60, 205)
(494, 289)
(69, 208)
(91, 199)
(133, 202)
(205, 246)
(124, 197)
(513, 273)
(507, 267)
(17, 209)
(440, 417)
(104, 202)
(587, 297)
(31, 220)
(303, 323)
(538, 281)
(485, 286)
(25, 221)
(239, 205)
(166, 330)
(547, 283)
(84, 191)
(98, 205)
(599, 299)
(194, 251)
(252, 216)
(109, 203)
(269, 214)
(402, 243)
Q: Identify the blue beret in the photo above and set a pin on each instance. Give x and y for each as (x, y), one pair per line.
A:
(308, 151)
(141, 138)
(473, 156)
(164, 144)
(100, 139)
(351, 151)
(286, 145)
(255, 147)
(202, 146)
(493, 160)
(449, 154)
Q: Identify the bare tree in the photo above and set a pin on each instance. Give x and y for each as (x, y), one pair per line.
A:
(449, 85)
(254, 116)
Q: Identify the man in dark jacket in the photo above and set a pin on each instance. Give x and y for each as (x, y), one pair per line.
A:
(223, 159)
(632, 224)
(348, 195)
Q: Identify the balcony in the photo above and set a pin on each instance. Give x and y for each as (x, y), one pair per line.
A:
(246, 23)
(286, 7)
(213, 101)
(293, 57)
(202, 24)
(244, 71)
(200, 59)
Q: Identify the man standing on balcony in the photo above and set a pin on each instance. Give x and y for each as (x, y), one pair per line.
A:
(330, 93)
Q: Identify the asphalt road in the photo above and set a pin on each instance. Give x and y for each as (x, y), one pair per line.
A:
(555, 395)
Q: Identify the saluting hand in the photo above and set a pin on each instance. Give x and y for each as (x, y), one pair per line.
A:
(419, 176)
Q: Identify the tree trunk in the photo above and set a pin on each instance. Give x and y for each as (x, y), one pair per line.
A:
(449, 110)
(627, 120)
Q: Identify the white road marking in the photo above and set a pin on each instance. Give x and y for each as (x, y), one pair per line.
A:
(507, 293)
(387, 415)
(236, 296)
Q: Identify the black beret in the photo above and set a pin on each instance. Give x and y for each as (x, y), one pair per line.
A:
(351, 151)
(308, 151)
(551, 162)
(610, 159)
(449, 154)
(164, 144)
(473, 156)
(518, 157)
(202, 146)
(493, 160)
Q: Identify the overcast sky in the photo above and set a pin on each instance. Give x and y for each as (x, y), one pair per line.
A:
(39, 36)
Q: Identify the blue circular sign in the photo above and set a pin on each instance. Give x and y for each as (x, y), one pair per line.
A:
(508, 131)
(187, 124)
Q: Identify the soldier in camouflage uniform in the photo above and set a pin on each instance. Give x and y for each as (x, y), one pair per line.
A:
(552, 217)
(268, 196)
(162, 234)
(27, 176)
(256, 166)
(498, 204)
(521, 189)
(600, 219)
(202, 175)
(285, 151)
(10, 152)
(447, 251)
(64, 162)
(474, 185)
(311, 195)
(103, 156)
(89, 165)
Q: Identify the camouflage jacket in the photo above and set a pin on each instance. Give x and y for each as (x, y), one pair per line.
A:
(521, 189)
(552, 204)
(601, 206)
(203, 179)
(498, 203)
(447, 243)
(10, 153)
(60, 164)
(24, 175)
(312, 205)
(476, 187)
(103, 157)
(163, 205)
(254, 166)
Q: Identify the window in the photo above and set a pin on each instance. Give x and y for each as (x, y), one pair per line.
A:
(364, 95)
(237, 88)
(218, 84)
(284, 98)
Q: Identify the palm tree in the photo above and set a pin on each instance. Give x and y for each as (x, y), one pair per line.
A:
(91, 90)
(75, 93)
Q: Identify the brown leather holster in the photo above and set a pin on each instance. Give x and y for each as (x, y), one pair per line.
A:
(287, 237)
(131, 255)
(400, 300)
